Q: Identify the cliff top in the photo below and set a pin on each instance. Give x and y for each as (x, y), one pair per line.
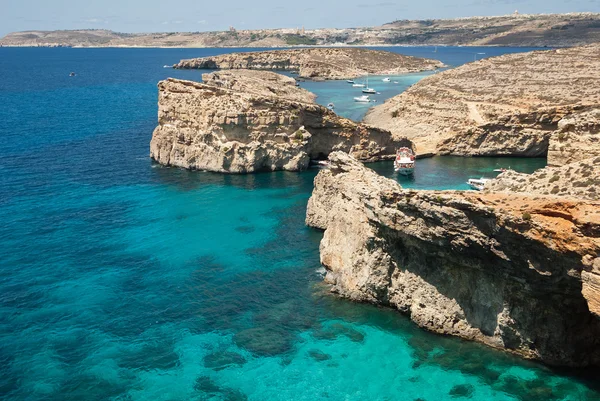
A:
(263, 83)
(327, 63)
(569, 29)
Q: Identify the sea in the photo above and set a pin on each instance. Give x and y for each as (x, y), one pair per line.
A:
(124, 280)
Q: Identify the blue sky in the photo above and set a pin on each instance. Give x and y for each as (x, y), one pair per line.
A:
(195, 15)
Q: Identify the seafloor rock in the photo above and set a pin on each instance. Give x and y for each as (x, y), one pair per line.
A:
(515, 104)
(247, 121)
(516, 272)
(317, 63)
(579, 179)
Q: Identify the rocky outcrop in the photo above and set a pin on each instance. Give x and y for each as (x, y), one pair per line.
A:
(579, 180)
(517, 105)
(515, 272)
(319, 63)
(248, 121)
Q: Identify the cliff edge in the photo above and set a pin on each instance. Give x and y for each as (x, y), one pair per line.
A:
(526, 104)
(247, 121)
(513, 271)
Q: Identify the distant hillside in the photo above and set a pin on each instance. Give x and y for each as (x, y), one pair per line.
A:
(510, 30)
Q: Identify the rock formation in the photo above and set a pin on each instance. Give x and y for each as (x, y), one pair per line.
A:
(247, 121)
(517, 104)
(579, 180)
(513, 271)
(318, 63)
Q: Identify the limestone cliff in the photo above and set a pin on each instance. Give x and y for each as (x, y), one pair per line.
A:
(517, 104)
(319, 63)
(579, 179)
(516, 272)
(248, 121)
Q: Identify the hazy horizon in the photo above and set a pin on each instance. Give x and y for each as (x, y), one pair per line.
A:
(135, 16)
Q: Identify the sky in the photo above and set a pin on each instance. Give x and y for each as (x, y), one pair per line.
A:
(197, 15)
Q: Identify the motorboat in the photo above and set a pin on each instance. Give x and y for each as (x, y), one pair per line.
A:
(477, 183)
(386, 80)
(369, 90)
(405, 161)
(362, 99)
(358, 85)
(350, 81)
(72, 74)
(331, 106)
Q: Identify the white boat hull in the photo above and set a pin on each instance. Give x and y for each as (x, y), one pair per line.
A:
(405, 171)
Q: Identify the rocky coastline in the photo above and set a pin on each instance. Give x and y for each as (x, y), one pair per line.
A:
(245, 121)
(317, 63)
(516, 271)
(528, 104)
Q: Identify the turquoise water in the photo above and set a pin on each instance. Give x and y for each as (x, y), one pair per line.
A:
(123, 280)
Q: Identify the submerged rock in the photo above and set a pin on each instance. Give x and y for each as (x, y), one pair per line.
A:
(512, 271)
(222, 360)
(317, 63)
(249, 121)
(515, 104)
(462, 391)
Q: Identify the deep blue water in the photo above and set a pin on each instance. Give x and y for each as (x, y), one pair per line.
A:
(123, 280)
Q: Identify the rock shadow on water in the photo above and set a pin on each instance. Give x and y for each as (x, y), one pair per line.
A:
(206, 385)
(247, 229)
(334, 331)
(462, 391)
(318, 355)
(265, 341)
(222, 360)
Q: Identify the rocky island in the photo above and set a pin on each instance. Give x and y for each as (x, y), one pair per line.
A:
(527, 104)
(318, 63)
(516, 271)
(243, 121)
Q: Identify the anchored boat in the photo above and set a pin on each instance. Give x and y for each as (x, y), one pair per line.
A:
(477, 183)
(405, 161)
(363, 99)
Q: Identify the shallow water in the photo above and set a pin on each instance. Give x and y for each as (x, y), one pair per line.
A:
(123, 280)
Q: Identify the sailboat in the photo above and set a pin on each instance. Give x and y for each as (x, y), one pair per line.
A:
(367, 89)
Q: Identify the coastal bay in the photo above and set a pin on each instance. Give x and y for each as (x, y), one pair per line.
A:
(127, 280)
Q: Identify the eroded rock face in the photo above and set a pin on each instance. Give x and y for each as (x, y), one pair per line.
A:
(516, 104)
(579, 179)
(248, 121)
(317, 63)
(512, 271)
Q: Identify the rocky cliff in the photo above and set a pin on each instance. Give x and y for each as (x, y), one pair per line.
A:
(518, 104)
(246, 121)
(579, 180)
(515, 272)
(319, 63)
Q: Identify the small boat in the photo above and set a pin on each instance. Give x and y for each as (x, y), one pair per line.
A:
(350, 81)
(477, 183)
(500, 170)
(319, 163)
(72, 74)
(386, 80)
(405, 161)
(331, 106)
(167, 66)
(358, 85)
(369, 90)
(395, 82)
(362, 99)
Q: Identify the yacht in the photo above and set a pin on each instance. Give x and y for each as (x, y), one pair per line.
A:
(369, 90)
(358, 85)
(362, 99)
(477, 183)
(405, 161)
(350, 81)
(386, 80)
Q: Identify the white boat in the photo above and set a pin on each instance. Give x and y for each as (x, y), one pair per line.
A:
(350, 81)
(358, 85)
(405, 161)
(167, 66)
(369, 90)
(395, 82)
(331, 106)
(363, 99)
(386, 80)
(477, 183)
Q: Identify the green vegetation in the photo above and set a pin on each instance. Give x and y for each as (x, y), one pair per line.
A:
(293, 39)
(526, 216)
